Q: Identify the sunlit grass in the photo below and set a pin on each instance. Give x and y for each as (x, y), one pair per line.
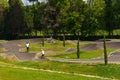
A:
(2, 49)
(2, 40)
(110, 70)
(85, 54)
(96, 69)
(7, 73)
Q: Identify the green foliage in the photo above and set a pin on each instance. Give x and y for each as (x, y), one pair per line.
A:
(28, 20)
(56, 17)
(14, 20)
(4, 2)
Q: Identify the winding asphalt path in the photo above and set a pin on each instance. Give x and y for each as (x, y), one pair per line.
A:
(13, 47)
(112, 58)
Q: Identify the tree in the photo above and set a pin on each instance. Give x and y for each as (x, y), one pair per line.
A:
(94, 17)
(99, 14)
(1, 18)
(14, 21)
(3, 8)
(78, 46)
(28, 20)
(63, 7)
(90, 24)
(55, 12)
(116, 13)
(34, 15)
(75, 19)
(109, 17)
(105, 52)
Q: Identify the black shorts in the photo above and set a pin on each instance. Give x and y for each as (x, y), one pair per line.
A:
(42, 54)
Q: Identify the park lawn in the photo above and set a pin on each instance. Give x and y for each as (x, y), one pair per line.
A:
(3, 40)
(2, 49)
(8, 73)
(84, 54)
(95, 69)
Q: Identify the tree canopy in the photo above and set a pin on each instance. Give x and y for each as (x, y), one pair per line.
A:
(57, 17)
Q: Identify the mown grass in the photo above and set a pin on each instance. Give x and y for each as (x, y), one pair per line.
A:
(7, 73)
(110, 70)
(84, 54)
(2, 49)
(2, 40)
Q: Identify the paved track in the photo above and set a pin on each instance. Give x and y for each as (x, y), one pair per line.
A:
(12, 47)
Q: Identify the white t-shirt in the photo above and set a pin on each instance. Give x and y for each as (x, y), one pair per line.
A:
(43, 52)
(27, 45)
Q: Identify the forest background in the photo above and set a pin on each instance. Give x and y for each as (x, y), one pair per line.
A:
(89, 19)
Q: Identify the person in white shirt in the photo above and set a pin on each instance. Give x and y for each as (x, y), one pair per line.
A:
(27, 46)
(43, 53)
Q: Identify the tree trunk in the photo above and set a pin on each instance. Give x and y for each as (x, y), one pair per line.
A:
(78, 49)
(105, 52)
(63, 39)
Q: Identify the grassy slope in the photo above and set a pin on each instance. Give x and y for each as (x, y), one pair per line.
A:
(7, 73)
(110, 71)
(84, 54)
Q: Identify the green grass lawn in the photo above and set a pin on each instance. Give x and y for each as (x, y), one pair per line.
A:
(2, 49)
(7, 73)
(108, 71)
(84, 54)
(2, 40)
